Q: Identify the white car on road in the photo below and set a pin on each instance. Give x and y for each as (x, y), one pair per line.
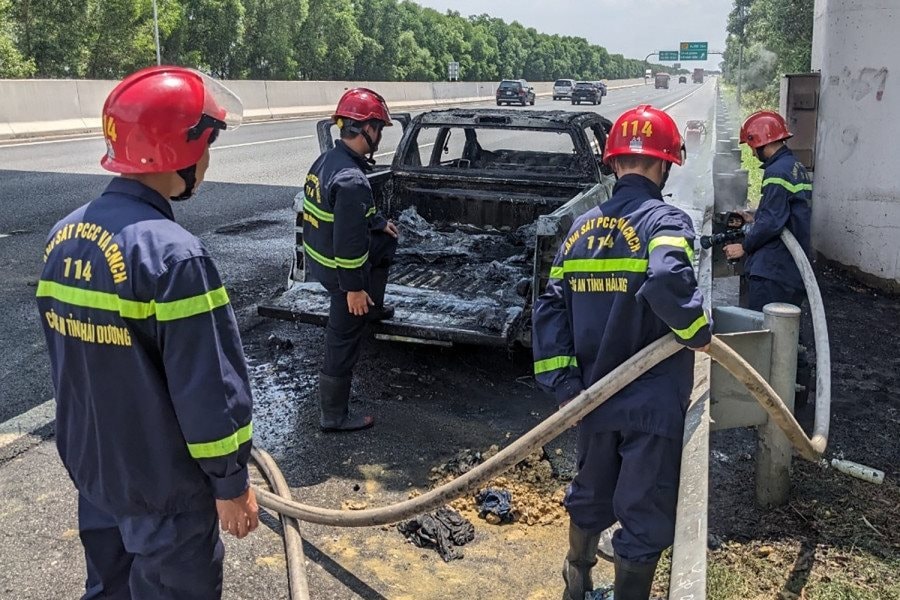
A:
(562, 88)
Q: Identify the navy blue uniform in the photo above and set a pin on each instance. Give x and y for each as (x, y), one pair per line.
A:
(785, 203)
(153, 400)
(343, 240)
(622, 279)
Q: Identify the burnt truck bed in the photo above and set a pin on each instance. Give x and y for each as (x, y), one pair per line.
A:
(474, 251)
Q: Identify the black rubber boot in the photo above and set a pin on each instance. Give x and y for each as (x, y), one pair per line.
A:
(605, 547)
(334, 406)
(580, 560)
(633, 580)
(378, 278)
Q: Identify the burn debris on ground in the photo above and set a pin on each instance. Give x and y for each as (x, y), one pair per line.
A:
(538, 493)
(495, 505)
(444, 529)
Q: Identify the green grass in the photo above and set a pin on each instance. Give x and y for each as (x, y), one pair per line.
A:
(755, 177)
(741, 572)
(723, 581)
(750, 103)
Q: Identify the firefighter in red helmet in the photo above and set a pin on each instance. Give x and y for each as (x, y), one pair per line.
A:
(348, 246)
(785, 203)
(153, 420)
(623, 279)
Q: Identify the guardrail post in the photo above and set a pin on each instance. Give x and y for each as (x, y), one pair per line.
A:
(773, 455)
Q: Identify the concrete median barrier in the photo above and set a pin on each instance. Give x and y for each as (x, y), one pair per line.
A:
(92, 94)
(255, 98)
(39, 106)
(42, 107)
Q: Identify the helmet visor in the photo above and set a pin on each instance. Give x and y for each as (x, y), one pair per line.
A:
(221, 103)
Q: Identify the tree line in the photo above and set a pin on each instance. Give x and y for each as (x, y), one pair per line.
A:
(376, 40)
(777, 39)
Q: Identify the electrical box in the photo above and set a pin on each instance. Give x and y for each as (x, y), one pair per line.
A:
(800, 107)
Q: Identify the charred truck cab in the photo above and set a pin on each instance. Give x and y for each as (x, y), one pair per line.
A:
(483, 199)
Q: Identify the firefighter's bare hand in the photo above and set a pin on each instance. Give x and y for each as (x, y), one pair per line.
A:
(359, 302)
(702, 348)
(392, 230)
(748, 216)
(239, 516)
(733, 251)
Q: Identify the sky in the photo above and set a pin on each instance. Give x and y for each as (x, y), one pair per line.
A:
(630, 27)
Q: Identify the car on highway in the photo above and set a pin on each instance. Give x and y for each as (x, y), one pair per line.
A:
(562, 89)
(661, 81)
(587, 91)
(603, 87)
(484, 198)
(515, 91)
(682, 79)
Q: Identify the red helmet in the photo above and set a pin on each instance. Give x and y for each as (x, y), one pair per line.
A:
(161, 119)
(362, 104)
(646, 131)
(764, 127)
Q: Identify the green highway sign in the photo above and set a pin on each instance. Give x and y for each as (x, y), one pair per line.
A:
(694, 50)
(668, 55)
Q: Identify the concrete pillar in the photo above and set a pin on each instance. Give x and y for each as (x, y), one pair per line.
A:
(774, 451)
(856, 219)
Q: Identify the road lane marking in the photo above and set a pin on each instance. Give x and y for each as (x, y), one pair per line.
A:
(680, 100)
(43, 142)
(27, 423)
(3, 235)
(260, 142)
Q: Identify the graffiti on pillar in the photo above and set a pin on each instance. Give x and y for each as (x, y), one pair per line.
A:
(849, 140)
(868, 81)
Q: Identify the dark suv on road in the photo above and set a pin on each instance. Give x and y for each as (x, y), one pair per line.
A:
(586, 91)
(515, 91)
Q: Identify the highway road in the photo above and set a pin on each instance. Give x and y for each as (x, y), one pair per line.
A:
(242, 213)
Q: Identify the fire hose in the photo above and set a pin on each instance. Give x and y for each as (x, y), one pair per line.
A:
(568, 416)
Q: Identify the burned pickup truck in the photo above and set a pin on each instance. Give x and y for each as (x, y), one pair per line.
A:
(483, 199)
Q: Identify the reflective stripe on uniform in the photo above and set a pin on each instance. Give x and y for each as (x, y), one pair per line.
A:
(671, 240)
(195, 305)
(334, 263)
(326, 262)
(552, 364)
(311, 208)
(351, 263)
(133, 309)
(692, 329)
(605, 265)
(791, 187)
(557, 272)
(224, 446)
(323, 215)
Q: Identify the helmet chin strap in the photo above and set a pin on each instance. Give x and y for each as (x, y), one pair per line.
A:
(189, 175)
(373, 146)
(759, 154)
(666, 170)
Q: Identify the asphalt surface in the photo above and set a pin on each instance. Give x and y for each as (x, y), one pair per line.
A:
(255, 173)
(429, 402)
